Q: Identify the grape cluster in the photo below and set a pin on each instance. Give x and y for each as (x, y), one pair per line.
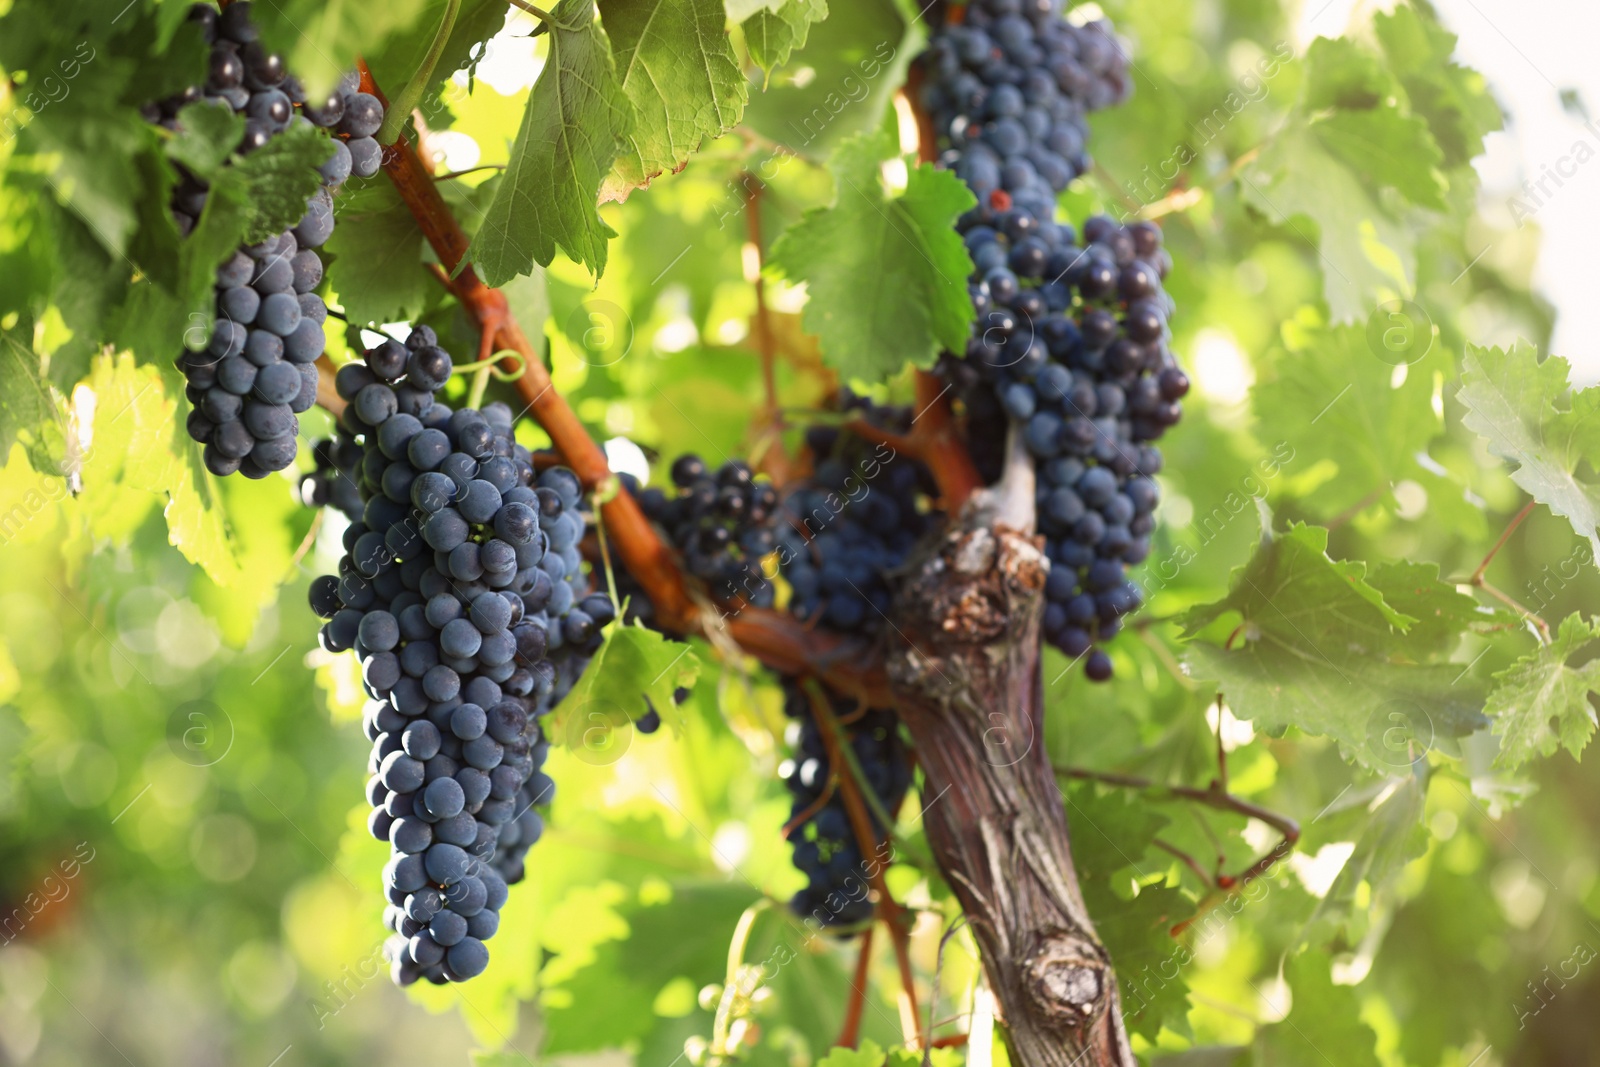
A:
(850, 524)
(1008, 88)
(254, 377)
(1071, 344)
(443, 596)
(825, 847)
(721, 524)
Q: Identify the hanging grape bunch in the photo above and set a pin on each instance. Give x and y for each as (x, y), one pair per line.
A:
(255, 376)
(854, 521)
(825, 847)
(443, 597)
(1071, 341)
(722, 525)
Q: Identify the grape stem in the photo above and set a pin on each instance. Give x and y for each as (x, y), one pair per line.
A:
(1478, 581)
(850, 1032)
(855, 807)
(394, 118)
(1215, 796)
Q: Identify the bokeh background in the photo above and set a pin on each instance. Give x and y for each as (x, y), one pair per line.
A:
(181, 815)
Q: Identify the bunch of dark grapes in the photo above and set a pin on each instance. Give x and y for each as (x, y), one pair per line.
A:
(442, 595)
(1071, 342)
(825, 847)
(721, 524)
(1008, 88)
(851, 524)
(572, 622)
(335, 481)
(255, 376)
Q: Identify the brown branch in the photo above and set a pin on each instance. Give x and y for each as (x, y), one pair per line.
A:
(1213, 796)
(768, 445)
(1478, 580)
(850, 1032)
(1511, 528)
(328, 397)
(855, 807)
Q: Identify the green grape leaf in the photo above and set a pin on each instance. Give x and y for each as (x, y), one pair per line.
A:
(1455, 100)
(377, 251)
(208, 132)
(1442, 613)
(648, 951)
(1367, 254)
(575, 126)
(773, 34)
(90, 162)
(321, 39)
(1350, 159)
(1323, 1026)
(634, 669)
(1523, 409)
(1388, 149)
(885, 278)
(678, 69)
(1291, 583)
(868, 1055)
(1321, 650)
(1540, 704)
(1342, 74)
(1394, 836)
(24, 395)
(840, 83)
(401, 54)
(278, 178)
(1333, 399)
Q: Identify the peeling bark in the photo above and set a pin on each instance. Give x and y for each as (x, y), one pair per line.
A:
(968, 686)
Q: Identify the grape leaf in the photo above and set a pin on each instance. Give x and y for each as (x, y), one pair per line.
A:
(1540, 704)
(1293, 569)
(24, 396)
(1393, 837)
(1349, 159)
(1321, 650)
(886, 279)
(1515, 403)
(208, 133)
(575, 126)
(1442, 613)
(90, 164)
(868, 1055)
(609, 1001)
(634, 669)
(279, 177)
(773, 34)
(678, 69)
(1388, 149)
(402, 53)
(1455, 100)
(841, 83)
(377, 256)
(1367, 254)
(1323, 1026)
(1333, 400)
(320, 39)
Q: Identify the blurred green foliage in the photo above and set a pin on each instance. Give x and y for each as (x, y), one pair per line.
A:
(188, 876)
